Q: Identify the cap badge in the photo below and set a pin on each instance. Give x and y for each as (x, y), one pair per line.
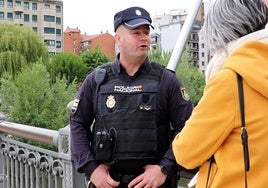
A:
(110, 102)
(138, 12)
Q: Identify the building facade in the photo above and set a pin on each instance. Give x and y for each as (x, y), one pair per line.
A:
(43, 16)
(167, 30)
(72, 40)
(104, 41)
(76, 42)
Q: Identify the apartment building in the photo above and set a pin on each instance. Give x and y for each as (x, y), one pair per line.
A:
(43, 16)
(76, 42)
(104, 41)
(167, 30)
(72, 40)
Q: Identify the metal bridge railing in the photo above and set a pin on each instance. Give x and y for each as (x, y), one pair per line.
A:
(28, 166)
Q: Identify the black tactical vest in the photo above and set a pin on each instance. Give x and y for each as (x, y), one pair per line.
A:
(128, 123)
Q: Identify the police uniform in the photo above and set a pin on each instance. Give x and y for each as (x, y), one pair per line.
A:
(120, 106)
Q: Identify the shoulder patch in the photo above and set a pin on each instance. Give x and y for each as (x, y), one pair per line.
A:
(75, 105)
(184, 94)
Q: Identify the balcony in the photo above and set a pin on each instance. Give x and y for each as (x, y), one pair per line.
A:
(18, 21)
(18, 9)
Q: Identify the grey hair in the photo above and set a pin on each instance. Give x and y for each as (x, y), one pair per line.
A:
(228, 20)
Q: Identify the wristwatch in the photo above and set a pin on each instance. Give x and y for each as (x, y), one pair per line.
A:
(164, 170)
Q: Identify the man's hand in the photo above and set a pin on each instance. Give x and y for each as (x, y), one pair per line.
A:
(151, 178)
(101, 179)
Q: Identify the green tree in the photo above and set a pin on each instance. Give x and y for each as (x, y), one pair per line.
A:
(30, 98)
(192, 77)
(18, 45)
(158, 55)
(69, 66)
(94, 58)
(11, 62)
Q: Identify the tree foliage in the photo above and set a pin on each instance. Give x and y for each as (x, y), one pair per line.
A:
(159, 56)
(69, 66)
(94, 58)
(11, 62)
(30, 98)
(191, 77)
(19, 44)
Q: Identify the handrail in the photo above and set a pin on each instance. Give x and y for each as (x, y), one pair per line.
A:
(26, 165)
(183, 37)
(33, 133)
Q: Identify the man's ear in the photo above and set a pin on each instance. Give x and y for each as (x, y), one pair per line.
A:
(117, 39)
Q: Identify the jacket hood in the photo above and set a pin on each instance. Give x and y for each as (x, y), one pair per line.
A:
(250, 60)
(221, 55)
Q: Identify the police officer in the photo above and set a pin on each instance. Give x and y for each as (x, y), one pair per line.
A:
(136, 106)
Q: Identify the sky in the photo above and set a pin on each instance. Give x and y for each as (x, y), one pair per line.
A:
(94, 17)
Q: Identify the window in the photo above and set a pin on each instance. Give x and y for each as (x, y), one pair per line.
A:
(34, 18)
(2, 16)
(194, 45)
(34, 6)
(10, 3)
(58, 32)
(49, 30)
(195, 55)
(174, 17)
(51, 54)
(58, 9)
(47, 6)
(58, 44)
(58, 20)
(1, 3)
(17, 15)
(85, 44)
(10, 16)
(35, 29)
(49, 18)
(26, 17)
(50, 42)
(26, 5)
(17, 3)
(194, 36)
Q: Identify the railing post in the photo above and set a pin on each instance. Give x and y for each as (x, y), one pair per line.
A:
(71, 178)
(3, 177)
(2, 171)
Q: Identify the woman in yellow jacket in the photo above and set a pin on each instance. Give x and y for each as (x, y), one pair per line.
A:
(236, 34)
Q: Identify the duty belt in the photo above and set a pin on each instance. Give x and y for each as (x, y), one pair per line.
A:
(122, 178)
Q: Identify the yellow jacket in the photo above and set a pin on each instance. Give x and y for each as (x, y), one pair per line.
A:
(214, 129)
